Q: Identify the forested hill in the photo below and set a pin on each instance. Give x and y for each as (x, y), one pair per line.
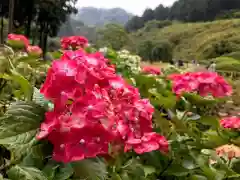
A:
(99, 17)
(188, 11)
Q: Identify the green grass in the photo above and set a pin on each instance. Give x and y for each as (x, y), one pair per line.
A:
(196, 40)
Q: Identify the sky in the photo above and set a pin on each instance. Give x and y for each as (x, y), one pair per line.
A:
(133, 6)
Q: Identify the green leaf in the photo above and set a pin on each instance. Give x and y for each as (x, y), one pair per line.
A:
(116, 177)
(188, 164)
(148, 170)
(25, 85)
(199, 100)
(50, 169)
(162, 123)
(212, 139)
(198, 177)
(91, 169)
(64, 172)
(2, 178)
(38, 98)
(177, 170)
(25, 173)
(35, 157)
(210, 120)
(19, 125)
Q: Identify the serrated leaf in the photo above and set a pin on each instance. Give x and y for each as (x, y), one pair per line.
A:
(50, 169)
(38, 98)
(19, 125)
(64, 172)
(25, 173)
(25, 85)
(35, 157)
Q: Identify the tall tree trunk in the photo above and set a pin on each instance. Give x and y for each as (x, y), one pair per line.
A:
(2, 25)
(41, 31)
(11, 16)
(2, 30)
(45, 38)
(29, 18)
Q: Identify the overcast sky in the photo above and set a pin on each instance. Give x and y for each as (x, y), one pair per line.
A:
(133, 6)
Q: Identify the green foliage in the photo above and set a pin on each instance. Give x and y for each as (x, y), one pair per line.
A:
(188, 11)
(25, 173)
(113, 35)
(155, 51)
(235, 55)
(155, 24)
(227, 64)
(19, 127)
(195, 40)
(190, 123)
(162, 51)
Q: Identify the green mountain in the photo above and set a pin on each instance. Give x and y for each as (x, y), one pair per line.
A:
(99, 16)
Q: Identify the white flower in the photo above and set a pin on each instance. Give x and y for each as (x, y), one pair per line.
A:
(128, 61)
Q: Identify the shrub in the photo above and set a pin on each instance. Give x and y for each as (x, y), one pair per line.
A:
(235, 55)
(90, 122)
(227, 64)
(156, 24)
(162, 51)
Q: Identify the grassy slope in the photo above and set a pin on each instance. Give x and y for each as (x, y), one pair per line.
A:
(195, 40)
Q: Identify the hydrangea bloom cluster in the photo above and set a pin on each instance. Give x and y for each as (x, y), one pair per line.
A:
(227, 151)
(151, 70)
(23, 42)
(94, 108)
(103, 50)
(34, 50)
(74, 42)
(128, 61)
(204, 83)
(231, 123)
(18, 39)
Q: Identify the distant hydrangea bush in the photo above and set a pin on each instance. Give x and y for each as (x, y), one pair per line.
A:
(129, 62)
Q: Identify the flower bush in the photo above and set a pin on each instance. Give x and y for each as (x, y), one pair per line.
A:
(34, 51)
(73, 42)
(17, 41)
(93, 119)
(102, 103)
(151, 70)
(129, 62)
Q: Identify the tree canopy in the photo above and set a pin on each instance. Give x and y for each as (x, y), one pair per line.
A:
(186, 11)
(38, 19)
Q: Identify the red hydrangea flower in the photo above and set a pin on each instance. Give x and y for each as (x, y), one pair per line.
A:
(34, 50)
(94, 108)
(230, 122)
(151, 70)
(204, 83)
(147, 143)
(74, 42)
(18, 40)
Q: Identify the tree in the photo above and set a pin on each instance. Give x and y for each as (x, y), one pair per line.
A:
(187, 11)
(161, 12)
(144, 49)
(134, 24)
(11, 15)
(45, 15)
(112, 35)
(148, 15)
(162, 51)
